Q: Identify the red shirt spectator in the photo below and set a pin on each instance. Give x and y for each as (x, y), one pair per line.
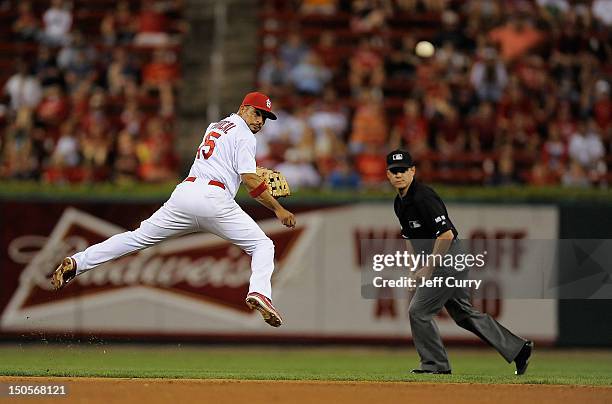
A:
(26, 25)
(411, 129)
(482, 127)
(371, 167)
(53, 108)
(162, 69)
(602, 108)
(151, 20)
(369, 124)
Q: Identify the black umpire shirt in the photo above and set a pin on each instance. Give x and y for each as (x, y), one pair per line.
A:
(422, 214)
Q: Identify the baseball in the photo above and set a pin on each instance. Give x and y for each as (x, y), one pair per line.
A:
(424, 49)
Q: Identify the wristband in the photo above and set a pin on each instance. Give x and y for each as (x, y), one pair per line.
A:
(261, 188)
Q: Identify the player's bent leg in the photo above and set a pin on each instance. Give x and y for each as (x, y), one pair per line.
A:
(240, 229)
(509, 346)
(425, 304)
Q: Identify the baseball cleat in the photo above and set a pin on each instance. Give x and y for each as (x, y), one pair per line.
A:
(65, 272)
(522, 359)
(264, 305)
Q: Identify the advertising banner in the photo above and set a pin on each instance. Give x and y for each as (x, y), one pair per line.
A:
(195, 285)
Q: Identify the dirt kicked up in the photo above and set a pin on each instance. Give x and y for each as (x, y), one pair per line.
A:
(153, 391)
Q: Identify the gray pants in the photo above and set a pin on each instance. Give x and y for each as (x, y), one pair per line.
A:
(427, 302)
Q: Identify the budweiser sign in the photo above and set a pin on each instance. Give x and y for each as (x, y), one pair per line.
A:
(176, 280)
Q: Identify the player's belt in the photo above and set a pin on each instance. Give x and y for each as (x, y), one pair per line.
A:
(216, 183)
(211, 182)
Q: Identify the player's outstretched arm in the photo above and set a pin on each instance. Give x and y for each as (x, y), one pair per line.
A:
(253, 182)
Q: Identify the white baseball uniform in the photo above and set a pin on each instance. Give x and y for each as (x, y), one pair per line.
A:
(203, 202)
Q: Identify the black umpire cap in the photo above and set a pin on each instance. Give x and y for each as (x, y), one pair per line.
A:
(399, 158)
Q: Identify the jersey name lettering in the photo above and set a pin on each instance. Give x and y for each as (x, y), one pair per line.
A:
(223, 126)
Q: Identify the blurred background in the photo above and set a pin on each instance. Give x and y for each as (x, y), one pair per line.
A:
(516, 92)
(505, 105)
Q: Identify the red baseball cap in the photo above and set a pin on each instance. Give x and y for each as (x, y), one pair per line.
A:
(261, 102)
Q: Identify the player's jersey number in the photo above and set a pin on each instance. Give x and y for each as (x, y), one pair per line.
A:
(208, 145)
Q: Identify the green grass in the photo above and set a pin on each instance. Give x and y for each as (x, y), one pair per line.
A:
(585, 367)
(28, 190)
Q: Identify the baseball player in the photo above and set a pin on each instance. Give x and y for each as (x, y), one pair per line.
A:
(204, 201)
(425, 220)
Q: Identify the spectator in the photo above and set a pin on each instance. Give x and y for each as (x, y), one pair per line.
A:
(70, 54)
(276, 136)
(482, 128)
(505, 173)
(602, 107)
(119, 26)
(489, 76)
(162, 74)
(152, 25)
(155, 154)
(371, 168)
(53, 108)
(329, 118)
(23, 89)
(369, 15)
(554, 151)
(19, 161)
(586, 147)
(482, 14)
(293, 50)
(57, 24)
(452, 33)
(96, 148)
(575, 176)
(540, 176)
(310, 76)
(602, 11)
(366, 68)
(422, 6)
(26, 26)
(450, 134)
(125, 166)
(298, 171)
(369, 124)
(79, 100)
(78, 61)
(344, 176)
(132, 118)
(553, 9)
(411, 130)
(402, 61)
(273, 75)
(161, 71)
(326, 7)
(96, 116)
(328, 51)
(121, 71)
(453, 63)
(69, 133)
(46, 69)
(65, 156)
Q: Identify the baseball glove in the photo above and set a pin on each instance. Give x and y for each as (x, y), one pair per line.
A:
(277, 183)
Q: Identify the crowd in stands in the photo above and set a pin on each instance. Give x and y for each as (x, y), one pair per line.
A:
(517, 92)
(89, 90)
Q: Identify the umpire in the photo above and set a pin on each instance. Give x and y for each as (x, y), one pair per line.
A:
(423, 216)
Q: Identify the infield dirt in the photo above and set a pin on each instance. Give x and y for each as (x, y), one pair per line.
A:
(153, 391)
